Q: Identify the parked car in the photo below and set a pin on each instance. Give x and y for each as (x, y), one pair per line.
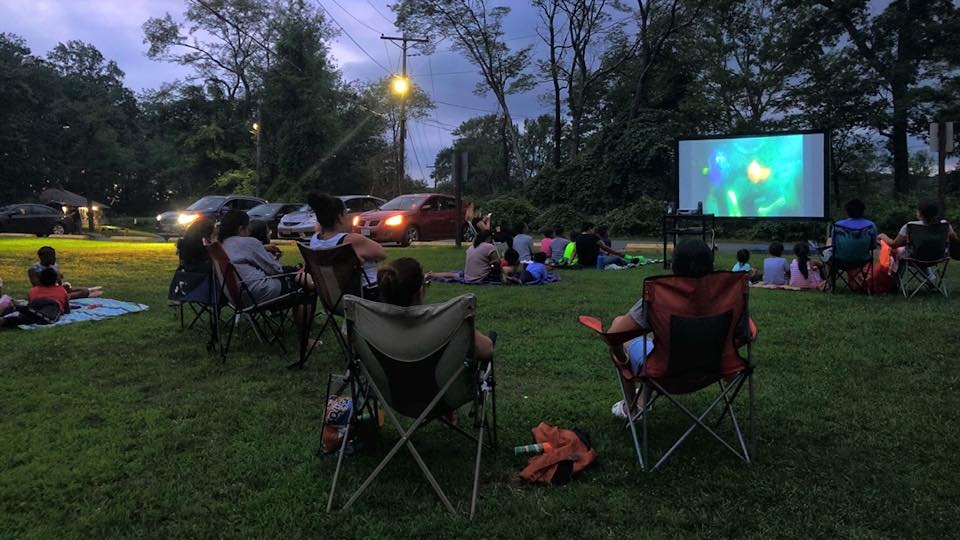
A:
(37, 219)
(409, 218)
(303, 224)
(272, 213)
(174, 222)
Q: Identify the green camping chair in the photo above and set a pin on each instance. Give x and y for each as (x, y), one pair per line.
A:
(418, 362)
(851, 260)
(926, 264)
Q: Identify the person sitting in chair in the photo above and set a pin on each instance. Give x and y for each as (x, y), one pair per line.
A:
(927, 213)
(336, 230)
(691, 258)
(192, 246)
(254, 264)
(402, 283)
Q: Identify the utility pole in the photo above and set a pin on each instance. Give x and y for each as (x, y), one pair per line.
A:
(402, 88)
(257, 128)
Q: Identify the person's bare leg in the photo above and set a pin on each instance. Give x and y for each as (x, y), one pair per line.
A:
(483, 347)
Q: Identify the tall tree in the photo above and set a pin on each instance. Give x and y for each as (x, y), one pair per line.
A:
(227, 42)
(30, 155)
(658, 21)
(588, 25)
(905, 49)
(476, 30)
(557, 44)
(100, 117)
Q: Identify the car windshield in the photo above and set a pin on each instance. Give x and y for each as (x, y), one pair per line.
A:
(207, 204)
(265, 209)
(404, 202)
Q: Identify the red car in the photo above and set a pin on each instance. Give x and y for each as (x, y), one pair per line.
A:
(409, 218)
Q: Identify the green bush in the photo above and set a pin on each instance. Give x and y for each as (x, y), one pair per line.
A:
(564, 215)
(641, 218)
(507, 211)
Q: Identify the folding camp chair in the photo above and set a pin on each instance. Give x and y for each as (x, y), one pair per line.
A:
(197, 290)
(270, 315)
(419, 362)
(336, 272)
(926, 264)
(851, 258)
(697, 325)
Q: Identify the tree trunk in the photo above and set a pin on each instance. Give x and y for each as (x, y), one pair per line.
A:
(505, 151)
(901, 152)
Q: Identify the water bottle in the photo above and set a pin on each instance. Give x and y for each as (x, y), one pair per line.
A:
(533, 449)
(670, 208)
(600, 261)
(699, 208)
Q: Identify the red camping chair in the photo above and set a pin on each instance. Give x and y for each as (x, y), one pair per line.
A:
(699, 326)
(270, 315)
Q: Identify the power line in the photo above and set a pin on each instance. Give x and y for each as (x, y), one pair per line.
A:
(354, 17)
(332, 18)
(488, 111)
(382, 16)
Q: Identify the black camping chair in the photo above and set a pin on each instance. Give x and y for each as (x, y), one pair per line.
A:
(336, 272)
(926, 263)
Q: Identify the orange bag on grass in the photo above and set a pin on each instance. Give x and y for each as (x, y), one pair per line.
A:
(571, 454)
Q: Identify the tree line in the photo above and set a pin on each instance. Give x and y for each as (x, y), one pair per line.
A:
(70, 121)
(623, 80)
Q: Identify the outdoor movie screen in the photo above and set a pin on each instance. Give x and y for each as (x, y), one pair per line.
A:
(758, 176)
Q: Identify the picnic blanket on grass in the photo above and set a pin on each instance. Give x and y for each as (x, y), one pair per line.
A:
(92, 309)
(551, 278)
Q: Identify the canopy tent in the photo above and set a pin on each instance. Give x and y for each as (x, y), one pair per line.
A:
(76, 206)
(67, 198)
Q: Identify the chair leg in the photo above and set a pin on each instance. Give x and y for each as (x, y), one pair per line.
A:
(343, 450)
(405, 440)
(476, 467)
(645, 396)
(630, 420)
(750, 418)
(698, 422)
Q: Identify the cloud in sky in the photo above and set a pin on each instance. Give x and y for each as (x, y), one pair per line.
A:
(114, 27)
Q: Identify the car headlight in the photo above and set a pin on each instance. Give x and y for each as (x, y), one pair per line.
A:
(394, 221)
(159, 217)
(356, 220)
(186, 219)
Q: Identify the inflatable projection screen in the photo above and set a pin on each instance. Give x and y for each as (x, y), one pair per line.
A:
(776, 176)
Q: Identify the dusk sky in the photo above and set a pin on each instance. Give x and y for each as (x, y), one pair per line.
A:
(114, 27)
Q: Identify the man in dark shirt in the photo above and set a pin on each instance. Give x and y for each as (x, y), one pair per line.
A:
(589, 247)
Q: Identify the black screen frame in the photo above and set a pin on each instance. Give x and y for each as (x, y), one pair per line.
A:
(826, 170)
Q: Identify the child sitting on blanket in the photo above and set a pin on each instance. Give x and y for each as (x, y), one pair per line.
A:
(804, 273)
(46, 302)
(536, 272)
(48, 259)
(775, 269)
(510, 268)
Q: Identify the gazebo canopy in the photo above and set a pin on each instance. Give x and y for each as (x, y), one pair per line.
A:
(64, 197)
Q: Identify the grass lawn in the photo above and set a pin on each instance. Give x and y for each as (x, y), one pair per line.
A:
(128, 428)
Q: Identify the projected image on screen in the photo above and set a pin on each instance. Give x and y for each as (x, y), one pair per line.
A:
(759, 176)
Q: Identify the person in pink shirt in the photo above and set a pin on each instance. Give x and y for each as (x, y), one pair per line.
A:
(804, 273)
(545, 243)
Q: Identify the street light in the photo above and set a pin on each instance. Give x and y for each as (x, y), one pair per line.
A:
(255, 130)
(400, 85)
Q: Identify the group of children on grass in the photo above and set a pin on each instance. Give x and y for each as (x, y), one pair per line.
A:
(49, 296)
(801, 273)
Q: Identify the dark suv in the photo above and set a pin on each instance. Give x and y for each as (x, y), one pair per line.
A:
(213, 207)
